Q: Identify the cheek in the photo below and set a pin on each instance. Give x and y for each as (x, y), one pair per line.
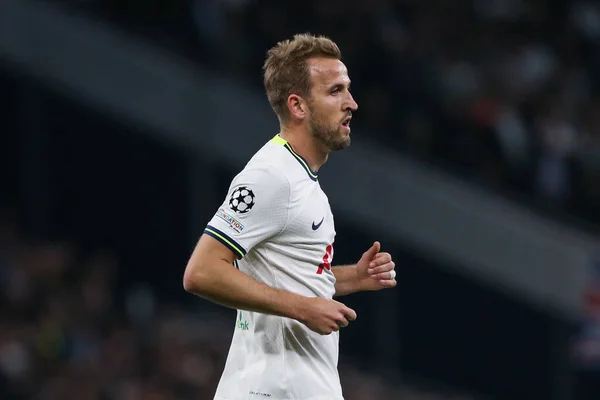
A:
(326, 111)
(330, 110)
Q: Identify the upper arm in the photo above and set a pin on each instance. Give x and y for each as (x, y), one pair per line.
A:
(209, 251)
(254, 210)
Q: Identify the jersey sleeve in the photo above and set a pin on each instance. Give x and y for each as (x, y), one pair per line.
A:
(255, 209)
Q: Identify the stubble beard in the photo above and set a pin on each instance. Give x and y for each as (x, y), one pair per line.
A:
(329, 135)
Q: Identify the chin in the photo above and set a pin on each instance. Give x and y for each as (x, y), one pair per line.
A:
(341, 145)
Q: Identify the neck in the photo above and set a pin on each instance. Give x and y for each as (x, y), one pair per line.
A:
(305, 145)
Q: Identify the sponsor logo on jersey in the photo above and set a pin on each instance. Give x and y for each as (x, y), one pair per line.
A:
(231, 221)
(242, 323)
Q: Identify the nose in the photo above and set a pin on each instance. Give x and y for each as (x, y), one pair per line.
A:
(351, 104)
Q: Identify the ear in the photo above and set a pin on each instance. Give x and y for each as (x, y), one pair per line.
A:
(296, 106)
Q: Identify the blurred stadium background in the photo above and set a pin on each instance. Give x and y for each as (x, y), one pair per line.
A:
(476, 162)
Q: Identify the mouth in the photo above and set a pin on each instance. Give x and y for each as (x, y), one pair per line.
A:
(346, 122)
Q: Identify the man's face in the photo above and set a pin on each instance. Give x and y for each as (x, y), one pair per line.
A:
(331, 104)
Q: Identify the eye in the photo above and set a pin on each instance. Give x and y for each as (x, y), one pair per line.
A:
(338, 89)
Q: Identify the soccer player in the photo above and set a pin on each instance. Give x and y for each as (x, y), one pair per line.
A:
(268, 250)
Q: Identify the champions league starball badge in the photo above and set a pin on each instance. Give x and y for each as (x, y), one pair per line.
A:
(242, 200)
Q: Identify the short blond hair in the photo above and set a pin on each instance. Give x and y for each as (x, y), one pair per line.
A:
(286, 68)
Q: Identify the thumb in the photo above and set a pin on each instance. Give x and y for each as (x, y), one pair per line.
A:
(349, 313)
(372, 252)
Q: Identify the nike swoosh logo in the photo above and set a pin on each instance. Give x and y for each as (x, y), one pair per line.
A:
(315, 227)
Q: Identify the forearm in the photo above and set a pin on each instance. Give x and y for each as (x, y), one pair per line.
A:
(224, 284)
(346, 280)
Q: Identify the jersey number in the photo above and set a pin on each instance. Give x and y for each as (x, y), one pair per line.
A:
(327, 259)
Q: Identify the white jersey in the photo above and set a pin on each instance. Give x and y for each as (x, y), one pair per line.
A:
(278, 221)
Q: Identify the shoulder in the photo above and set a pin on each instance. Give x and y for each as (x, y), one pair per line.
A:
(264, 176)
(267, 168)
(260, 185)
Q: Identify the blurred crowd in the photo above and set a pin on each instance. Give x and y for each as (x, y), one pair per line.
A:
(501, 92)
(68, 333)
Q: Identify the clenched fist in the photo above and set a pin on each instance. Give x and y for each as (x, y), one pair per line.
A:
(325, 316)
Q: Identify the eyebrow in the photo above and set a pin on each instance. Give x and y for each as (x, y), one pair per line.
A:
(340, 85)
